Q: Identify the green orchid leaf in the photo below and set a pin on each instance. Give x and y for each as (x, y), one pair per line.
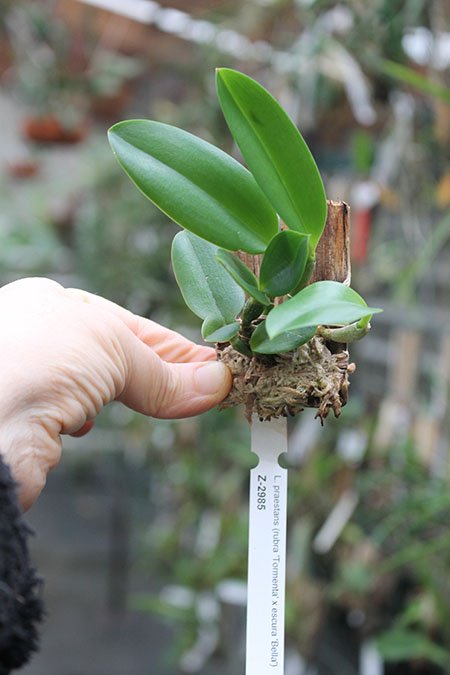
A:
(261, 343)
(306, 276)
(213, 331)
(197, 185)
(274, 151)
(284, 263)
(252, 311)
(242, 275)
(326, 303)
(207, 288)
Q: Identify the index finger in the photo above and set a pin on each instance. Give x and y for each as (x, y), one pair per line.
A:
(168, 344)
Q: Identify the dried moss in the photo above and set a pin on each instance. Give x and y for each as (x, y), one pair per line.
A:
(284, 384)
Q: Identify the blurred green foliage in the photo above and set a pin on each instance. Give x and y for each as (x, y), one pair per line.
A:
(58, 71)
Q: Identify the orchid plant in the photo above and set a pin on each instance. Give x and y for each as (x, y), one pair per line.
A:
(225, 208)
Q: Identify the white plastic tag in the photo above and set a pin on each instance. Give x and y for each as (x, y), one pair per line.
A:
(267, 550)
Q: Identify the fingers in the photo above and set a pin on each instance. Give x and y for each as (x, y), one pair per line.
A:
(80, 357)
(193, 384)
(167, 390)
(85, 429)
(31, 450)
(168, 344)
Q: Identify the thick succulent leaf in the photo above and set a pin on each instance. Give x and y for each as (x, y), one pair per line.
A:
(283, 263)
(197, 185)
(274, 151)
(261, 343)
(326, 303)
(306, 276)
(213, 331)
(242, 275)
(207, 288)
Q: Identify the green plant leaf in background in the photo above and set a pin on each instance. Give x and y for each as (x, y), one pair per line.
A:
(197, 185)
(284, 262)
(402, 644)
(363, 151)
(207, 288)
(242, 275)
(261, 343)
(326, 303)
(410, 275)
(412, 78)
(274, 151)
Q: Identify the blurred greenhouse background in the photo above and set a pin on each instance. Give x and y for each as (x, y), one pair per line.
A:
(141, 534)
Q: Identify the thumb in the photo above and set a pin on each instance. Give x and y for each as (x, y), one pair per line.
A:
(172, 390)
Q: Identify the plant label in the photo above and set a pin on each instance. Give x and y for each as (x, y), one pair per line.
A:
(267, 550)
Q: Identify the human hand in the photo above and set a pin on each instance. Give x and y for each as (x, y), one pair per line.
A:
(65, 353)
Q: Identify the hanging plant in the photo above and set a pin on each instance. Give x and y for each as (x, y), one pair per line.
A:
(271, 327)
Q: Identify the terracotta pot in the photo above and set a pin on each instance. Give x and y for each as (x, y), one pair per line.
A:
(50, 130)
(22, 168)
(114, 106)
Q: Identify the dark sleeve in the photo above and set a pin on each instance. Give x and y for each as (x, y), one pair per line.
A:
(21, 607)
